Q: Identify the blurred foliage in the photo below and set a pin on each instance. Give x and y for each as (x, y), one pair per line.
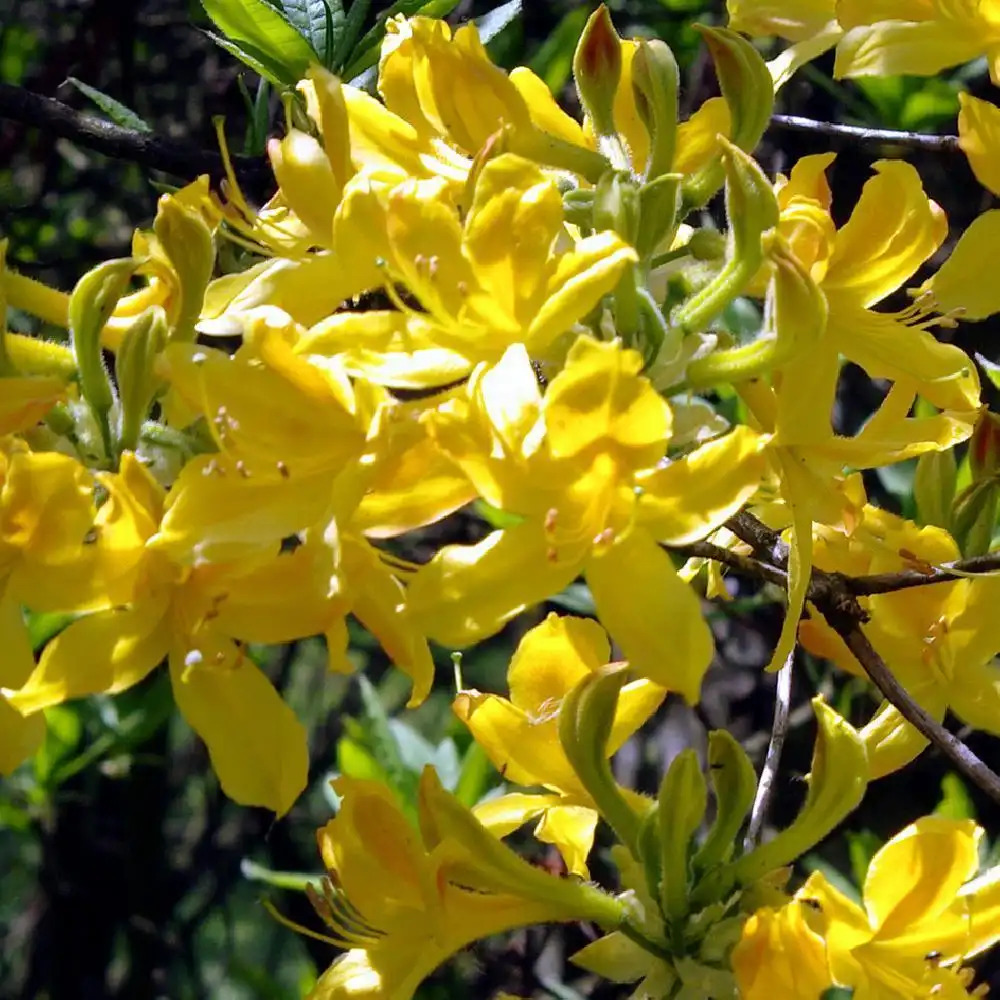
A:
(126, 872)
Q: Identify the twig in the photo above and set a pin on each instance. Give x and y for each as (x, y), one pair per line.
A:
(835, 596)
(950, 745)
(173, 156)
(855, 133)
(734, 560)
(886, 583)
(769, 772)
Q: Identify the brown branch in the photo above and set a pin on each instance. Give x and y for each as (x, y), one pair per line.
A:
(173, 156)
(855, 133)
(835, 596)
(883, 678)
(885, 583)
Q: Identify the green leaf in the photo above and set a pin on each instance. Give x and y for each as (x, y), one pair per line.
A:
(990, 368)
(553, 62)
(319, 22)
(350, 34)
(64, 729)
(476, 776)
(263, 38)
(119, 113)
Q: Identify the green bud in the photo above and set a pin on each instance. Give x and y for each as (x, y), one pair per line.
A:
(752, 210)
(597, 70)
(187, 241)
(90, 306)
(934, 487)
(654, 87)
(984, 447)
(551, 151)
(616, 205)
(974, 517)
(837, 784)
(707, 244)
(682, 800)
(585, 721)
(578, 208)
(137, 382)
(658, 204)
(748, 90)
(734, 782)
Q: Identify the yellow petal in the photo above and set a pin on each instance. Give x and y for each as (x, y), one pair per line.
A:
(676, 656)
(779, 955)
(257, 745)
(552, 658)
(979, 137)
(523, 746)
(507, 813)
(306, 179)
(791, 19)
(104, 652)
(893, 229)
(582, 277)
(965, 281)
(600, 399)
(698, 137)
(887, 348)
(544, 109)
(25, 400)
(894, 48)
(694, 495)
(918, 873)
(571, 830)
(20, 737)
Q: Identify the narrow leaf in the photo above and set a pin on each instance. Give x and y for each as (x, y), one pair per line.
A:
(115, 110)
(319, 22)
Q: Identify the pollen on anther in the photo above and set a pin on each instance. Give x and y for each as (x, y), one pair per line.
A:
(604, 537)
(551, 517)
(282, 469)
(242, 469)
(551, 554)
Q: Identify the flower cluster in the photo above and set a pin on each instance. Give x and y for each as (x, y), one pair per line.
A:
(459, 293)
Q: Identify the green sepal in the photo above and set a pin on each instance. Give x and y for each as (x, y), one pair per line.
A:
(734, 782)
(90, 306)
(137, 381)
(682, 800)
(585, 721)
(654, 87)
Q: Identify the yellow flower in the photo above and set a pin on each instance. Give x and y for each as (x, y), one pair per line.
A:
(521, 735)
(493, 280)
(779, 955)
(569, 465)
(403, 899)
(920, 918)
(917, 37)
(179, 613)
(46, 517)
(939, 640)
(964, 282)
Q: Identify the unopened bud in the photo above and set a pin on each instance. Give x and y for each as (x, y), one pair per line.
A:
(707, 244)
(597, 70)
(984, 447)
(616, 205)
(654, 87)
(934, 487)
(187, 241)
(658, 205)
(682, 800)
(974, 517)
(134, 369)
(734, 782)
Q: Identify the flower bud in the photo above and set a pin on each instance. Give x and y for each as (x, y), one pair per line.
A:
(585, 721)
(658, 205)
(90, 306)
(748, 90)
(682, 800)
(597, 69)
(974, 517)
(752, 210)
(934, 487)
(984, 447)
(654, 87)
(837, 783)
(187, 242)
(137, 383)
(734, 782)
(616, 205)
